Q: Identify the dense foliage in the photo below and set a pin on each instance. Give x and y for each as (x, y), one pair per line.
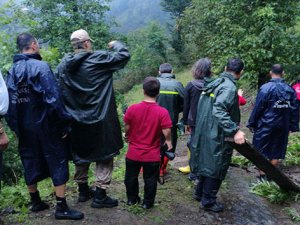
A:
(9, 27)
(149, 48)
(55, 20)
(260, 32)
(176, 9)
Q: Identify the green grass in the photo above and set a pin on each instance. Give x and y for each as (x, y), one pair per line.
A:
(293, 214)
(240, 160)
(293, 150)
(273, 193)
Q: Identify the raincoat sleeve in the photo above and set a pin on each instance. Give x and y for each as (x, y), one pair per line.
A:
(224, 101)
(180, 90)
(51, 96)
(11, 116)
(186, 104)
(294, 119)
(258, 110)
(116, 58)
(4, 101)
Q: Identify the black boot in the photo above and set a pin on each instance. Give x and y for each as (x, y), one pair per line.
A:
(101, 200)
(37, 204)
(84, 192)
(63, 212)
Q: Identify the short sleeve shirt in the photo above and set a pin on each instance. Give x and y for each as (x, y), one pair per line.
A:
(146, 121)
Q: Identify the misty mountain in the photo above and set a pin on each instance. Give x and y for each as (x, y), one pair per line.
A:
(133, 14)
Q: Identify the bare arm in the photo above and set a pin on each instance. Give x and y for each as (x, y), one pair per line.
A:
(167, 134)
(3, 138)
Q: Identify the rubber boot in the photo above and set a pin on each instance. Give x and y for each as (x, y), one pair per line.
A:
(101, 200)
(186, 169)
(63, 212)
(37, 204)
(163, 167)
(84, 192)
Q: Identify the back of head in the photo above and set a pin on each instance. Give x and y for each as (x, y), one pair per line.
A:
(78, 38)
(151, 86)
(277, 69)
(202, 68)
(165, 68)
(235, 65)
(24, 41)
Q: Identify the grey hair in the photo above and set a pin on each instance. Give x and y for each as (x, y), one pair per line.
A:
(202, 68)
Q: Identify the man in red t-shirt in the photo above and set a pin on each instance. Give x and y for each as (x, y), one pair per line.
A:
(145, 122)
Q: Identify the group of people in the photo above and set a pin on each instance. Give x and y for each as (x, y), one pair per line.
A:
(69, 114)
(72, 114)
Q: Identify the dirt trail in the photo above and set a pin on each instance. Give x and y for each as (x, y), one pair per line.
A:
(174, 204)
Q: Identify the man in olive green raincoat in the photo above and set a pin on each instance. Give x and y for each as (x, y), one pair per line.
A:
(217, 122)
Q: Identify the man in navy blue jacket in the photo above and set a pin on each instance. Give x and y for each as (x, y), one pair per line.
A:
(275, 115)
(40, 121)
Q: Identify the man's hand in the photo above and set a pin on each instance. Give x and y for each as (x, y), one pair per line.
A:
(240, 92)
(188, 129)
(169, 144)
(125, 136)
(111, 44)
(239, 137)
(3, 141)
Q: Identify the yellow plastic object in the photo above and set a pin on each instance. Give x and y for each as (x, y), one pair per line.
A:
(185, 169)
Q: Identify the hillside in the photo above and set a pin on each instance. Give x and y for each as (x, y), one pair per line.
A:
(133, 14)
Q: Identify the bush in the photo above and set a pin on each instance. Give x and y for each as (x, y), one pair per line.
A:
(12, 166)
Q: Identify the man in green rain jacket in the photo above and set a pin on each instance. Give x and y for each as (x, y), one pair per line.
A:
(217, 122)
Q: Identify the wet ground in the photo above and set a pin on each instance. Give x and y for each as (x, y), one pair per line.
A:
(174, 203)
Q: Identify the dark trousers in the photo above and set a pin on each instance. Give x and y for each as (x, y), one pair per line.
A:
(193, 173)
(207, 189)
(150, 175)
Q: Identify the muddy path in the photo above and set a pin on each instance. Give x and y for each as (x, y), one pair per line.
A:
(174, 203)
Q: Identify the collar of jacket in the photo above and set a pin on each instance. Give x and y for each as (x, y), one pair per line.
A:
(229, 76)
(277, 80)
(18, 57)
(167, 75)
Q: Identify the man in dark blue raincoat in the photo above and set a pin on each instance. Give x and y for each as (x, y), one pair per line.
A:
(275, 115)
(86, 81)
(40, 121)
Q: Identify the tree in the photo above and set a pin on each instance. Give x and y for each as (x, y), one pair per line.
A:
(148, 49)
(9, 26)
(176, 9)
(260, 32)
(55, 20)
